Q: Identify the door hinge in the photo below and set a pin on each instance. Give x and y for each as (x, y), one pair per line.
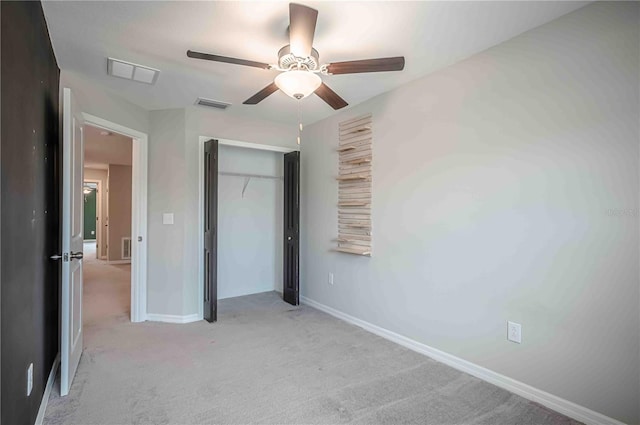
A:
(65, 257)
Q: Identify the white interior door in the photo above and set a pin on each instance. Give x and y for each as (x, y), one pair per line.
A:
(72, 238)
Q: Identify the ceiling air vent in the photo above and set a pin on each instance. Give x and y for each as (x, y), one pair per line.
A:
(131, 71)
(210, 103)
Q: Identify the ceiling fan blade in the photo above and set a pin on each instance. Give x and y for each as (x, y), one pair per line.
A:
(302, 27)
(367, 65)
(216, 58)
(329, 96)
(261, 95)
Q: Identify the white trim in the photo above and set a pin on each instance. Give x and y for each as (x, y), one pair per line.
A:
(47, 391)
(258, 146)
(551, 401)
(173, 318)
(116, 262)
(99, 229)
(139, 212)
(108, 125)
(200, 250)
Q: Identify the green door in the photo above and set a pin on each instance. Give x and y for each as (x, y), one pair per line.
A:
(90, 215)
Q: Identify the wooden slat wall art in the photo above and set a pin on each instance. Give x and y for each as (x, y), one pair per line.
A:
(354, 186)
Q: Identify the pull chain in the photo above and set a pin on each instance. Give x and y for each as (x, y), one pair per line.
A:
(299, 121)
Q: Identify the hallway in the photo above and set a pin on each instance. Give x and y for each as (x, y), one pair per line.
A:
(107, 291)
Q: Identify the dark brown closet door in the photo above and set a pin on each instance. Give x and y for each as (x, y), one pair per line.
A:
(291, 289)
(210, 231)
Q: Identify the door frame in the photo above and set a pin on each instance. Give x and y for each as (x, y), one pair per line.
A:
(98, 214)
(200, 251)
(139, 169)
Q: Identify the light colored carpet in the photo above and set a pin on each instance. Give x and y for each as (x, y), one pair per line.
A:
(263, 362)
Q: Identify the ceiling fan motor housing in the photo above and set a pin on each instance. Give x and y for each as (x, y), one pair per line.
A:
(287, 60)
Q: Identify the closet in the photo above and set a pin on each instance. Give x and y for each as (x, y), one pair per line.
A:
(250, 206)
(252, 244)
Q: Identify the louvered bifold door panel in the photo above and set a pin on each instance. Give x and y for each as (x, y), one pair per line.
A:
(355, 154)
(210, 295)
(291, 250)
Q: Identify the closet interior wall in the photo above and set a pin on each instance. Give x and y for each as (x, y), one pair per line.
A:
(250, 214)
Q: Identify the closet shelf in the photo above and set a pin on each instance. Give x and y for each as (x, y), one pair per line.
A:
(251, 176)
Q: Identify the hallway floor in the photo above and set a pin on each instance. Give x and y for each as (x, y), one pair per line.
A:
(264, 361)
(107, 290)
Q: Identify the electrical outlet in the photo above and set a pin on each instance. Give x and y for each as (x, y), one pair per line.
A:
(330, 278)
(514, 332)
(29, 379)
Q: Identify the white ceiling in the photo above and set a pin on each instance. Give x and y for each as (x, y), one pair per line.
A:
(431, 35)
(101, 150)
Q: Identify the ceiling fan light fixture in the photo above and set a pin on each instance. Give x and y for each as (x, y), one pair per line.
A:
(297, 83)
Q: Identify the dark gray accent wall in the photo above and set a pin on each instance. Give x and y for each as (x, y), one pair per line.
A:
(29, 208)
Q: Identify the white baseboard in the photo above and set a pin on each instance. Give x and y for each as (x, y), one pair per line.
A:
(119, 262)
(551, 401)
(173, 318)
(47, 391)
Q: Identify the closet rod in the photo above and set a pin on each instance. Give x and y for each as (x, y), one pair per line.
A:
(252, 176)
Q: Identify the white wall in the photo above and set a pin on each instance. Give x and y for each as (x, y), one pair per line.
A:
(493, 182)
(249, 226)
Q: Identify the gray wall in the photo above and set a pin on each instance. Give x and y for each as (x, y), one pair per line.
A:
(119, 209)
(29, 194)
(96, 100)
(173, 187)
(172, 276)
(249, 226)
(205, 122)
(166, 194)
(505, 187)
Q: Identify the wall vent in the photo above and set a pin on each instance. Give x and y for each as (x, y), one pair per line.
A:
(126, 248)
(210, 103)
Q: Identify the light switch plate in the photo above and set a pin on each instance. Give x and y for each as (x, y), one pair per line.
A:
(167, 218)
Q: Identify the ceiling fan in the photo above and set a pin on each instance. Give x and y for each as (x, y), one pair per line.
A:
(299, 63)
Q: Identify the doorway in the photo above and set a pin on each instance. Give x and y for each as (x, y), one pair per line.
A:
(249, 209)
(129, 244)
(91, 191)
(107, 193)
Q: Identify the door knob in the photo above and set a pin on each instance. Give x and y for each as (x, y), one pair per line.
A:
(289, 238)
(76, 255)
